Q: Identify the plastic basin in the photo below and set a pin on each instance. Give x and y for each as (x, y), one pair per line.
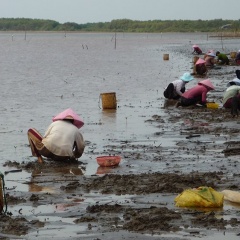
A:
(108, 161)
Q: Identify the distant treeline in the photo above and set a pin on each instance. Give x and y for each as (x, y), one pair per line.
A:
(121, 25)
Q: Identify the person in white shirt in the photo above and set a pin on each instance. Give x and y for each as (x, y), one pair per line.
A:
(176, 88)
(62, 141)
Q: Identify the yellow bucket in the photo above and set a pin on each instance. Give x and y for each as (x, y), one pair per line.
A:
(165, 56)
(212, 105)
(109, 100)
(233, 55)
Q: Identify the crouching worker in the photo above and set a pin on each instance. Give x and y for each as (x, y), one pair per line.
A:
(222, 58)
(196, 49)
(236, 80)
(200, 67)
(176, 88)
(197, 94)
(62, 139)
(231, 99)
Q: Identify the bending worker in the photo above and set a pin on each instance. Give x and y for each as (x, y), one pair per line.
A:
(62, 139)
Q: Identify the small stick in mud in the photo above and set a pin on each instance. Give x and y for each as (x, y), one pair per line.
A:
(192, 136)
(13, 171)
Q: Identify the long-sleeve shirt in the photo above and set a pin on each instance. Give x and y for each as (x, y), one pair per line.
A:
(197, 50)
(196, 92)
(178, 85)
(209, 61)
(222, 56)
(61, 137)
(230, 92)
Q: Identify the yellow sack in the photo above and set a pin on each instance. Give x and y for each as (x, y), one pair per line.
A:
(199, 197)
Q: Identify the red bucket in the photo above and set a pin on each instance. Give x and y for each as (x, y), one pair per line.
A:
(108, 161)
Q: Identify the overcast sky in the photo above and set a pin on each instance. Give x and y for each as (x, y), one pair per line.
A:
(84, 11)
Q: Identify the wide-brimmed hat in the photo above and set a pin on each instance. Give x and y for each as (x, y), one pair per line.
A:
(200, 61)
(187, 77)
(207, 83)
(195, 46)
(69, 114)
(211, 54)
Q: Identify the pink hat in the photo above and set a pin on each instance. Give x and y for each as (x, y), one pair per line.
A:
(207, 83)
(69, 114)
(194, 46)
(200, 61)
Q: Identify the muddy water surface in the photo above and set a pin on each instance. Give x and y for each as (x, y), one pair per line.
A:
(48, 72)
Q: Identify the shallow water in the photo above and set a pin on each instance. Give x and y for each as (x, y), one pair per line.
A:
(48, 72)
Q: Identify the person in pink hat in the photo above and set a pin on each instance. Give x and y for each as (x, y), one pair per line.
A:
(200, 67)
(196, 94)
(62, 139)
(210, 60)
(196, 49)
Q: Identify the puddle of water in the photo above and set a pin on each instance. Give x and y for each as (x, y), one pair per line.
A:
(197, 233)
(57, 231)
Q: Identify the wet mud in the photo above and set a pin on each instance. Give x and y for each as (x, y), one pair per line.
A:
(181, 148)
(151, 216)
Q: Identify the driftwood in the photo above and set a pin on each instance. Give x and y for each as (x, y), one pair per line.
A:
(193, 135)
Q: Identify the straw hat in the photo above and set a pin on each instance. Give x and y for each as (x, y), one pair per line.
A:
(186, 77)
(200, 61)
(207, 83)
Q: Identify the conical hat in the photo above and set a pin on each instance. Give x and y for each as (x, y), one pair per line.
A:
(207, 83)
(212, 54)
(200, 61)
(69, 114)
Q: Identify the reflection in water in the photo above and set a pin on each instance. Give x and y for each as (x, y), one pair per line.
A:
(109, 115)
(103, 170)
(59, 170)
(169, 103)
(36, 188)
(56, 170)
(65, 206)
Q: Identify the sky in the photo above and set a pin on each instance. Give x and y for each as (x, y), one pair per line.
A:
(92, 11)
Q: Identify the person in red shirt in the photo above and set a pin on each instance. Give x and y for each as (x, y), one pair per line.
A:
(196, 49)
(197, 94)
